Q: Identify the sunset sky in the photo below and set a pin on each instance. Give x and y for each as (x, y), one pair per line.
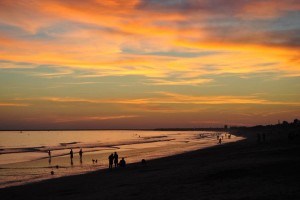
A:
(118, 64)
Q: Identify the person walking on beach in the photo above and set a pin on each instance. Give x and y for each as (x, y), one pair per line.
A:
(71, 154)
(49, 154)
(116, 159)
(80, 155)
(110, 160)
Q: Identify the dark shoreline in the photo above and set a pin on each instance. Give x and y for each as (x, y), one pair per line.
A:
(242, 170)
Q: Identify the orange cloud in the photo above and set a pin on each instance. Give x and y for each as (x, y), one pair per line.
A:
(100, 31)
(4, 104)
(169, 98)
(246, 58)
(164, 43)
(91, 118)
(191, 82)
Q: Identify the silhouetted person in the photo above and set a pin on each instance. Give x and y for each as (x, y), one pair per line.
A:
(116, 159)
(71, 154)
(49, 154)
(110, 160)
(258, 138)
(220, 140)
(143, 162)
(122, 162)
(80, 155)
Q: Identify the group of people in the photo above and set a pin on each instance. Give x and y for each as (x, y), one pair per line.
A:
(80, 154)
(113, 159)
(71, 155)
(222, 137)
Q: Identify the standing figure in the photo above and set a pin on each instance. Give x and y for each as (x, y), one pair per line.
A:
(220, 140)
(71, 154)
(264, 137)
(111, 160)
(258, 138)
(116, 159)
(49, 154)
(80, 155)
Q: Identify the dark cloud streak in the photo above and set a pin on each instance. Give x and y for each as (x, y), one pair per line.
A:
(221, 7)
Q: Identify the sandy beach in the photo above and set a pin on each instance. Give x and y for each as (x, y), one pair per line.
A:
(241, 170)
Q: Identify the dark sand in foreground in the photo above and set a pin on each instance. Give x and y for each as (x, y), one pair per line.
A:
(241, 170)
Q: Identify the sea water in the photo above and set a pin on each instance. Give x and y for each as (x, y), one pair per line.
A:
(24, 154)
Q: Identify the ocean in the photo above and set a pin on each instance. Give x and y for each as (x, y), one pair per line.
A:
(24, 154)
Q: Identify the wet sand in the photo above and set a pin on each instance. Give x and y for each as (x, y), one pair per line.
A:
(241, 170)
